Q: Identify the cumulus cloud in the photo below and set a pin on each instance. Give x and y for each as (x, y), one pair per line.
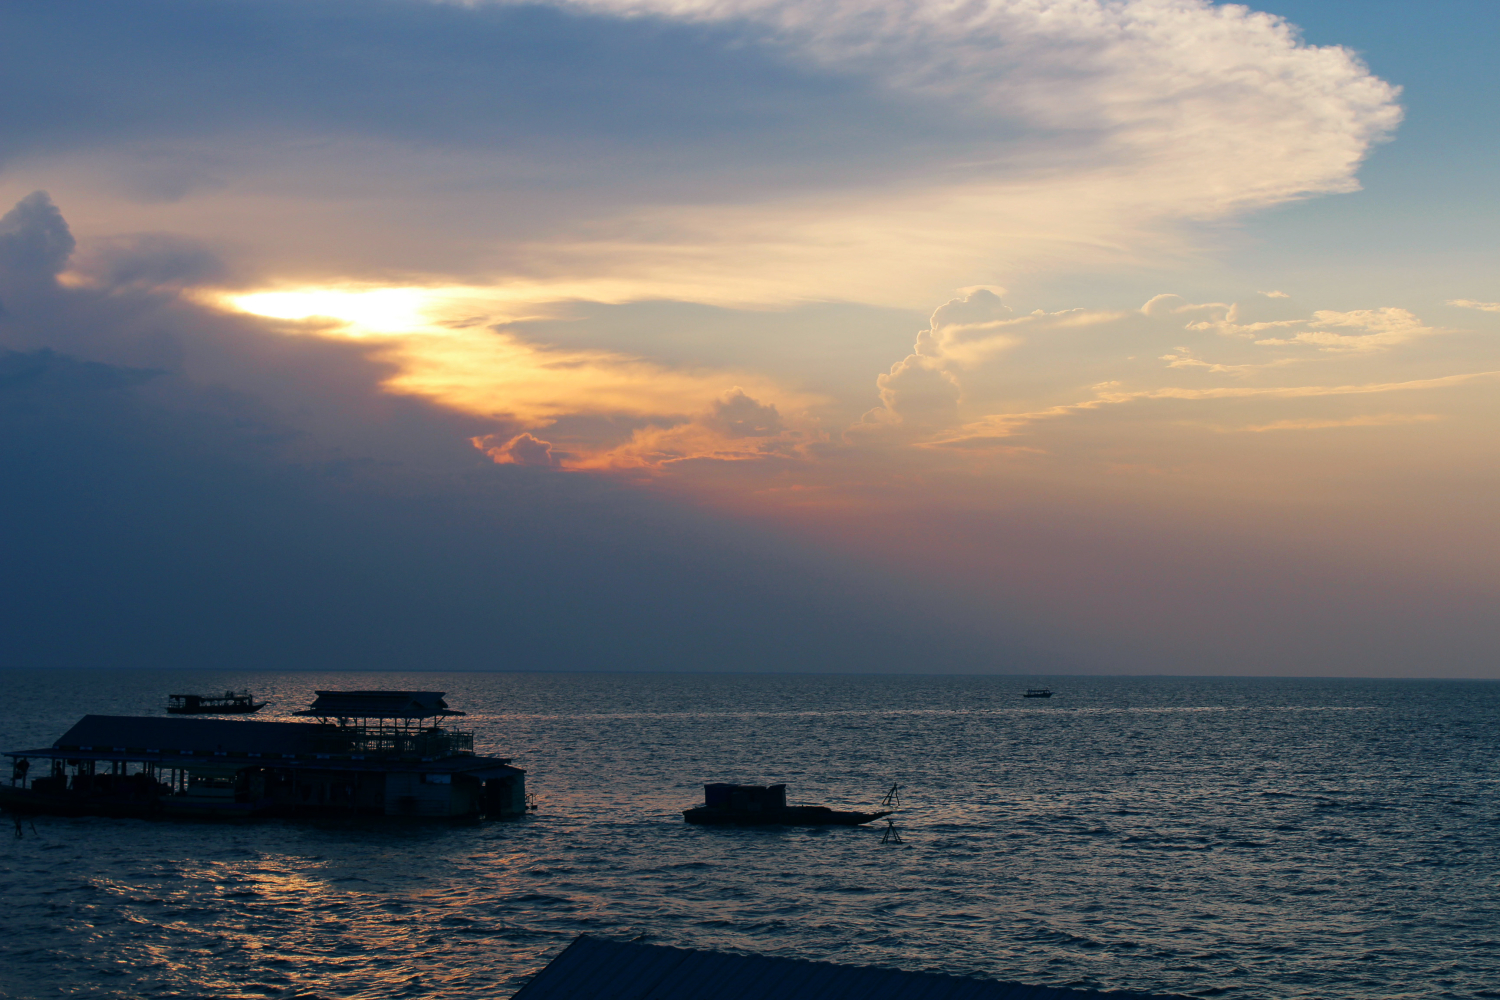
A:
(966, 142)
(967, 328)
(737, 415)
(523, 449)
(916, 394)
(35, 242)
(1471, 304)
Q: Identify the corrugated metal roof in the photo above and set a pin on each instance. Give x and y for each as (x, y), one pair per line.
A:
(594, 968)
(379, 705)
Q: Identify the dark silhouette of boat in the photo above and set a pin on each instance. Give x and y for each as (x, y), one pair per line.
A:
(229, 703)
(765, 805)
(1038, 693)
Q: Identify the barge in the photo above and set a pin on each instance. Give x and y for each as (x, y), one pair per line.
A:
(369, 753)
(765, 805)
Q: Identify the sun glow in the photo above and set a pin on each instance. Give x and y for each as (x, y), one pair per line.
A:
(362, 311)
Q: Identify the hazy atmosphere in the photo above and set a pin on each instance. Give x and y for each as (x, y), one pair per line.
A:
(1077, 337)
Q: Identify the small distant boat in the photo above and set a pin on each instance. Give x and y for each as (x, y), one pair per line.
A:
(229, 703)
(1038, 693)
(765, 805)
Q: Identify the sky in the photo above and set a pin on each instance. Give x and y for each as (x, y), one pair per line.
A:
(1021, 336)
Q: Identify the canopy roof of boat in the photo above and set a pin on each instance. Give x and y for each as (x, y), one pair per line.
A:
(379, 705)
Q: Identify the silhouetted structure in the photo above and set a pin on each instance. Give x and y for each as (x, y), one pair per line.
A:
(229, 703)
(765, 805)
(601, 969)
(399, 766)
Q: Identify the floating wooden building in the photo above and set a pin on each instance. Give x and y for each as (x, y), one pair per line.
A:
(369, 753)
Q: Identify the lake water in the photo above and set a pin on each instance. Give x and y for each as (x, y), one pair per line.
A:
(1219, 838)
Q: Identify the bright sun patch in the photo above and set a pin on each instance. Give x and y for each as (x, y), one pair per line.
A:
(363, 311)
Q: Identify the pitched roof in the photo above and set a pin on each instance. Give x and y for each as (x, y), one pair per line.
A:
(197, 735)
(379, 705)
(593, 968)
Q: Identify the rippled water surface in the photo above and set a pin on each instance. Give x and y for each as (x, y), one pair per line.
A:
(1266, 838)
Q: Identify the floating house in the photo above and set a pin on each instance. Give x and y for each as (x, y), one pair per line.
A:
(369, 753)
(602, 969)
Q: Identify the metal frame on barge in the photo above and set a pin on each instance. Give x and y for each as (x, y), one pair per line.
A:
(386, 760)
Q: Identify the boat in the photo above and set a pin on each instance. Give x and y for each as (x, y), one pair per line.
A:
(1038, 693)
(765, 805)
(229, 703)
(362, 754)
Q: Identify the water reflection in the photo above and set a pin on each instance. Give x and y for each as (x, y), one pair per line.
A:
(1147, 834)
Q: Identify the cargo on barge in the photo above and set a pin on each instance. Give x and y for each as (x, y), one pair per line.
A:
(370, 753)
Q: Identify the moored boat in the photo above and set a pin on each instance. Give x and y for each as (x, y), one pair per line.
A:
(229, 703)
(765, 805)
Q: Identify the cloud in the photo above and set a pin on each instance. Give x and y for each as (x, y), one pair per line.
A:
(254, 495)
(1471, 304)
(1003, 425)
(523, 449)
(1327, 330)
(1276, 295)
(735, 151)
(737, 415)
(1310, 424)
(1185, 359)
(150, 261)
(1374, 329)
(736, 428)
(916, 394)
(35, 242)
(967, 329)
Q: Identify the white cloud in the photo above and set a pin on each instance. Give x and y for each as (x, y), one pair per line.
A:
(1096, 127)
(1014, 135)
(1492, 307)
(1358, 330)
(1003, 425)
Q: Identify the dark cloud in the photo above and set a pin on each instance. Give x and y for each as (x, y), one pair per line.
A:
(152, 260)
(497, 78)
(35, 242)
(738, 415)
(255, 500)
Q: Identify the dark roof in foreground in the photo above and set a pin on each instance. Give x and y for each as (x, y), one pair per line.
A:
(595, 968)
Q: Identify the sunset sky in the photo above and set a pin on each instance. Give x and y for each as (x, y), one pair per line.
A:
(1019, 336)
